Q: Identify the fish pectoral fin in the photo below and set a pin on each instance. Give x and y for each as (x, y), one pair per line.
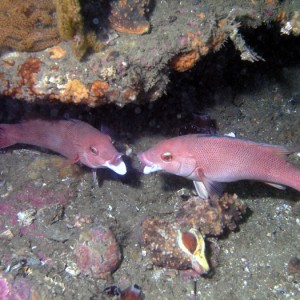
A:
(206, 187)
(75, 160)
(275, 185)
(69, 162)
(65, 163)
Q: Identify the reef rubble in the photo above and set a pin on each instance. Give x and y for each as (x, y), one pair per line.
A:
(179, 243)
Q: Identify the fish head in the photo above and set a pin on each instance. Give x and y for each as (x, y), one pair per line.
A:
(171, 155)
(98, 151)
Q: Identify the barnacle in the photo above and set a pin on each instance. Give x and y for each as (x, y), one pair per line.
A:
(192, 243)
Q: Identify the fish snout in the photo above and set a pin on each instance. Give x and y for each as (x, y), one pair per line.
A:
(117, 164)
(148, 166)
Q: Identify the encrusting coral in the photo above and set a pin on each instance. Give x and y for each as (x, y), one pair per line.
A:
(28, 25)
(36, 25)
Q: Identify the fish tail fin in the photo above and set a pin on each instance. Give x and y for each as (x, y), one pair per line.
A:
(6, 139)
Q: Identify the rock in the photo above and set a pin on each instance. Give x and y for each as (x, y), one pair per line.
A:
(97, 252)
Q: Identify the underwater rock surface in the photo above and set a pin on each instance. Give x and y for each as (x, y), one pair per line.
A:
(98, 254)
(135, 44)
(178, 243)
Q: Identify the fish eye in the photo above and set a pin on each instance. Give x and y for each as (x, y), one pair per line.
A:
(167, 156)
(94, 150)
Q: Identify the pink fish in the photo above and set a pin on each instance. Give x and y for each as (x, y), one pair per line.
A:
(74, 139)
(212, 160)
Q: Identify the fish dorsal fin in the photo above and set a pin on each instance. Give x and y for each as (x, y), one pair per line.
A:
(278, 150)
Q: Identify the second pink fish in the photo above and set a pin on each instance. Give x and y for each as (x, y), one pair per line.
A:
(212, 160)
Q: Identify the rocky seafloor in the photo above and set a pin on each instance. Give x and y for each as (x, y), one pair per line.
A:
(43, 251)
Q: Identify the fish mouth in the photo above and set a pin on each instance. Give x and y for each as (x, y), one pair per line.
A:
(149, 167)
(116, 164)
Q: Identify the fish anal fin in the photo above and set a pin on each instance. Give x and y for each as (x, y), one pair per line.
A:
(275, 185)
(201, 189)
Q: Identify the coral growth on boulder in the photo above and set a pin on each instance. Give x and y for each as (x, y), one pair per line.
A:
(28, 25)
(164, 239)
(36, 25)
